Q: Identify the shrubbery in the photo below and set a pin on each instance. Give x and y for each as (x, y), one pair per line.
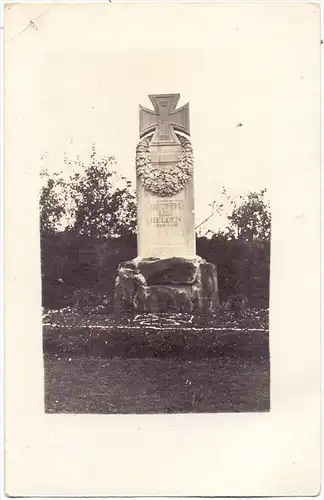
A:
(88, 226)
(71, 263)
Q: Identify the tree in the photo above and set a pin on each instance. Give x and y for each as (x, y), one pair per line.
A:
(51, 203)
(216, 208)
(93, 201)
(251, 219)
(248, 217)
(102, 202)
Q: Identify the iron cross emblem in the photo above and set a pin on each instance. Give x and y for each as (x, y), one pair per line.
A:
(164, 120)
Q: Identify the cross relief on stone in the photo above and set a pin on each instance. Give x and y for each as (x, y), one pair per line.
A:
(164, 120)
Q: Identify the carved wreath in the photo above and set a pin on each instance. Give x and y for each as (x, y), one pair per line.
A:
(166, 182)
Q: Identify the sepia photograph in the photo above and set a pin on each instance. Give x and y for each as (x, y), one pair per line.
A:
(162, 182)
(155, 241)
(147, 308)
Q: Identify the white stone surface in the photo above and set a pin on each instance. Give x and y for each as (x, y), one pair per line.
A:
(166, 225)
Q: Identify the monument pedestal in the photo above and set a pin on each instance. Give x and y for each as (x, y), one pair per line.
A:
(166, 285)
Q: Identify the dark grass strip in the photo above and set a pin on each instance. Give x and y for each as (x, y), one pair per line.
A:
(156, 385)
(147, 342)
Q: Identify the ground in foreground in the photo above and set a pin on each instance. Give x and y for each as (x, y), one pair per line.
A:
(156, 364)
(155, 385)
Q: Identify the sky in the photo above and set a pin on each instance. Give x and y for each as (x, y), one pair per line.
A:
(80, 72)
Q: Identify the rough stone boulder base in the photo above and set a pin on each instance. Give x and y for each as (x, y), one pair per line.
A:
(167, 285)
(169, 271)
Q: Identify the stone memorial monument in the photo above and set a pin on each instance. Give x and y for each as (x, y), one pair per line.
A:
(167, 275)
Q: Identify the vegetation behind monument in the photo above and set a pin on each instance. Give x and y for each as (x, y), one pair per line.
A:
(88, 226)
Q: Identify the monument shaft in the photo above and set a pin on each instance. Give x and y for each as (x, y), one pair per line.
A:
(166, 224)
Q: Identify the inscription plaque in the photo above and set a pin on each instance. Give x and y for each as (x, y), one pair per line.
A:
(166, 213)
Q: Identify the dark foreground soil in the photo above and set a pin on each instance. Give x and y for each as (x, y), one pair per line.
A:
(156, 385)
(156, 364)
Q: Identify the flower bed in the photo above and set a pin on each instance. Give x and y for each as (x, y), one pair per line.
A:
(93, 334)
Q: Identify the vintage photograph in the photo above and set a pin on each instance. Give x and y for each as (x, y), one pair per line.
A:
(162, 249)
(155, 239)
(145, 308)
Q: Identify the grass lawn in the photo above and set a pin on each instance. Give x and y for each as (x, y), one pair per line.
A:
(150, 385)
(91, 367)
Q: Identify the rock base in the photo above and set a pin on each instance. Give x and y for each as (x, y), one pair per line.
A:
(166, 285)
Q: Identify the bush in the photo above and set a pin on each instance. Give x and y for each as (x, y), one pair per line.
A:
(72, 262)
